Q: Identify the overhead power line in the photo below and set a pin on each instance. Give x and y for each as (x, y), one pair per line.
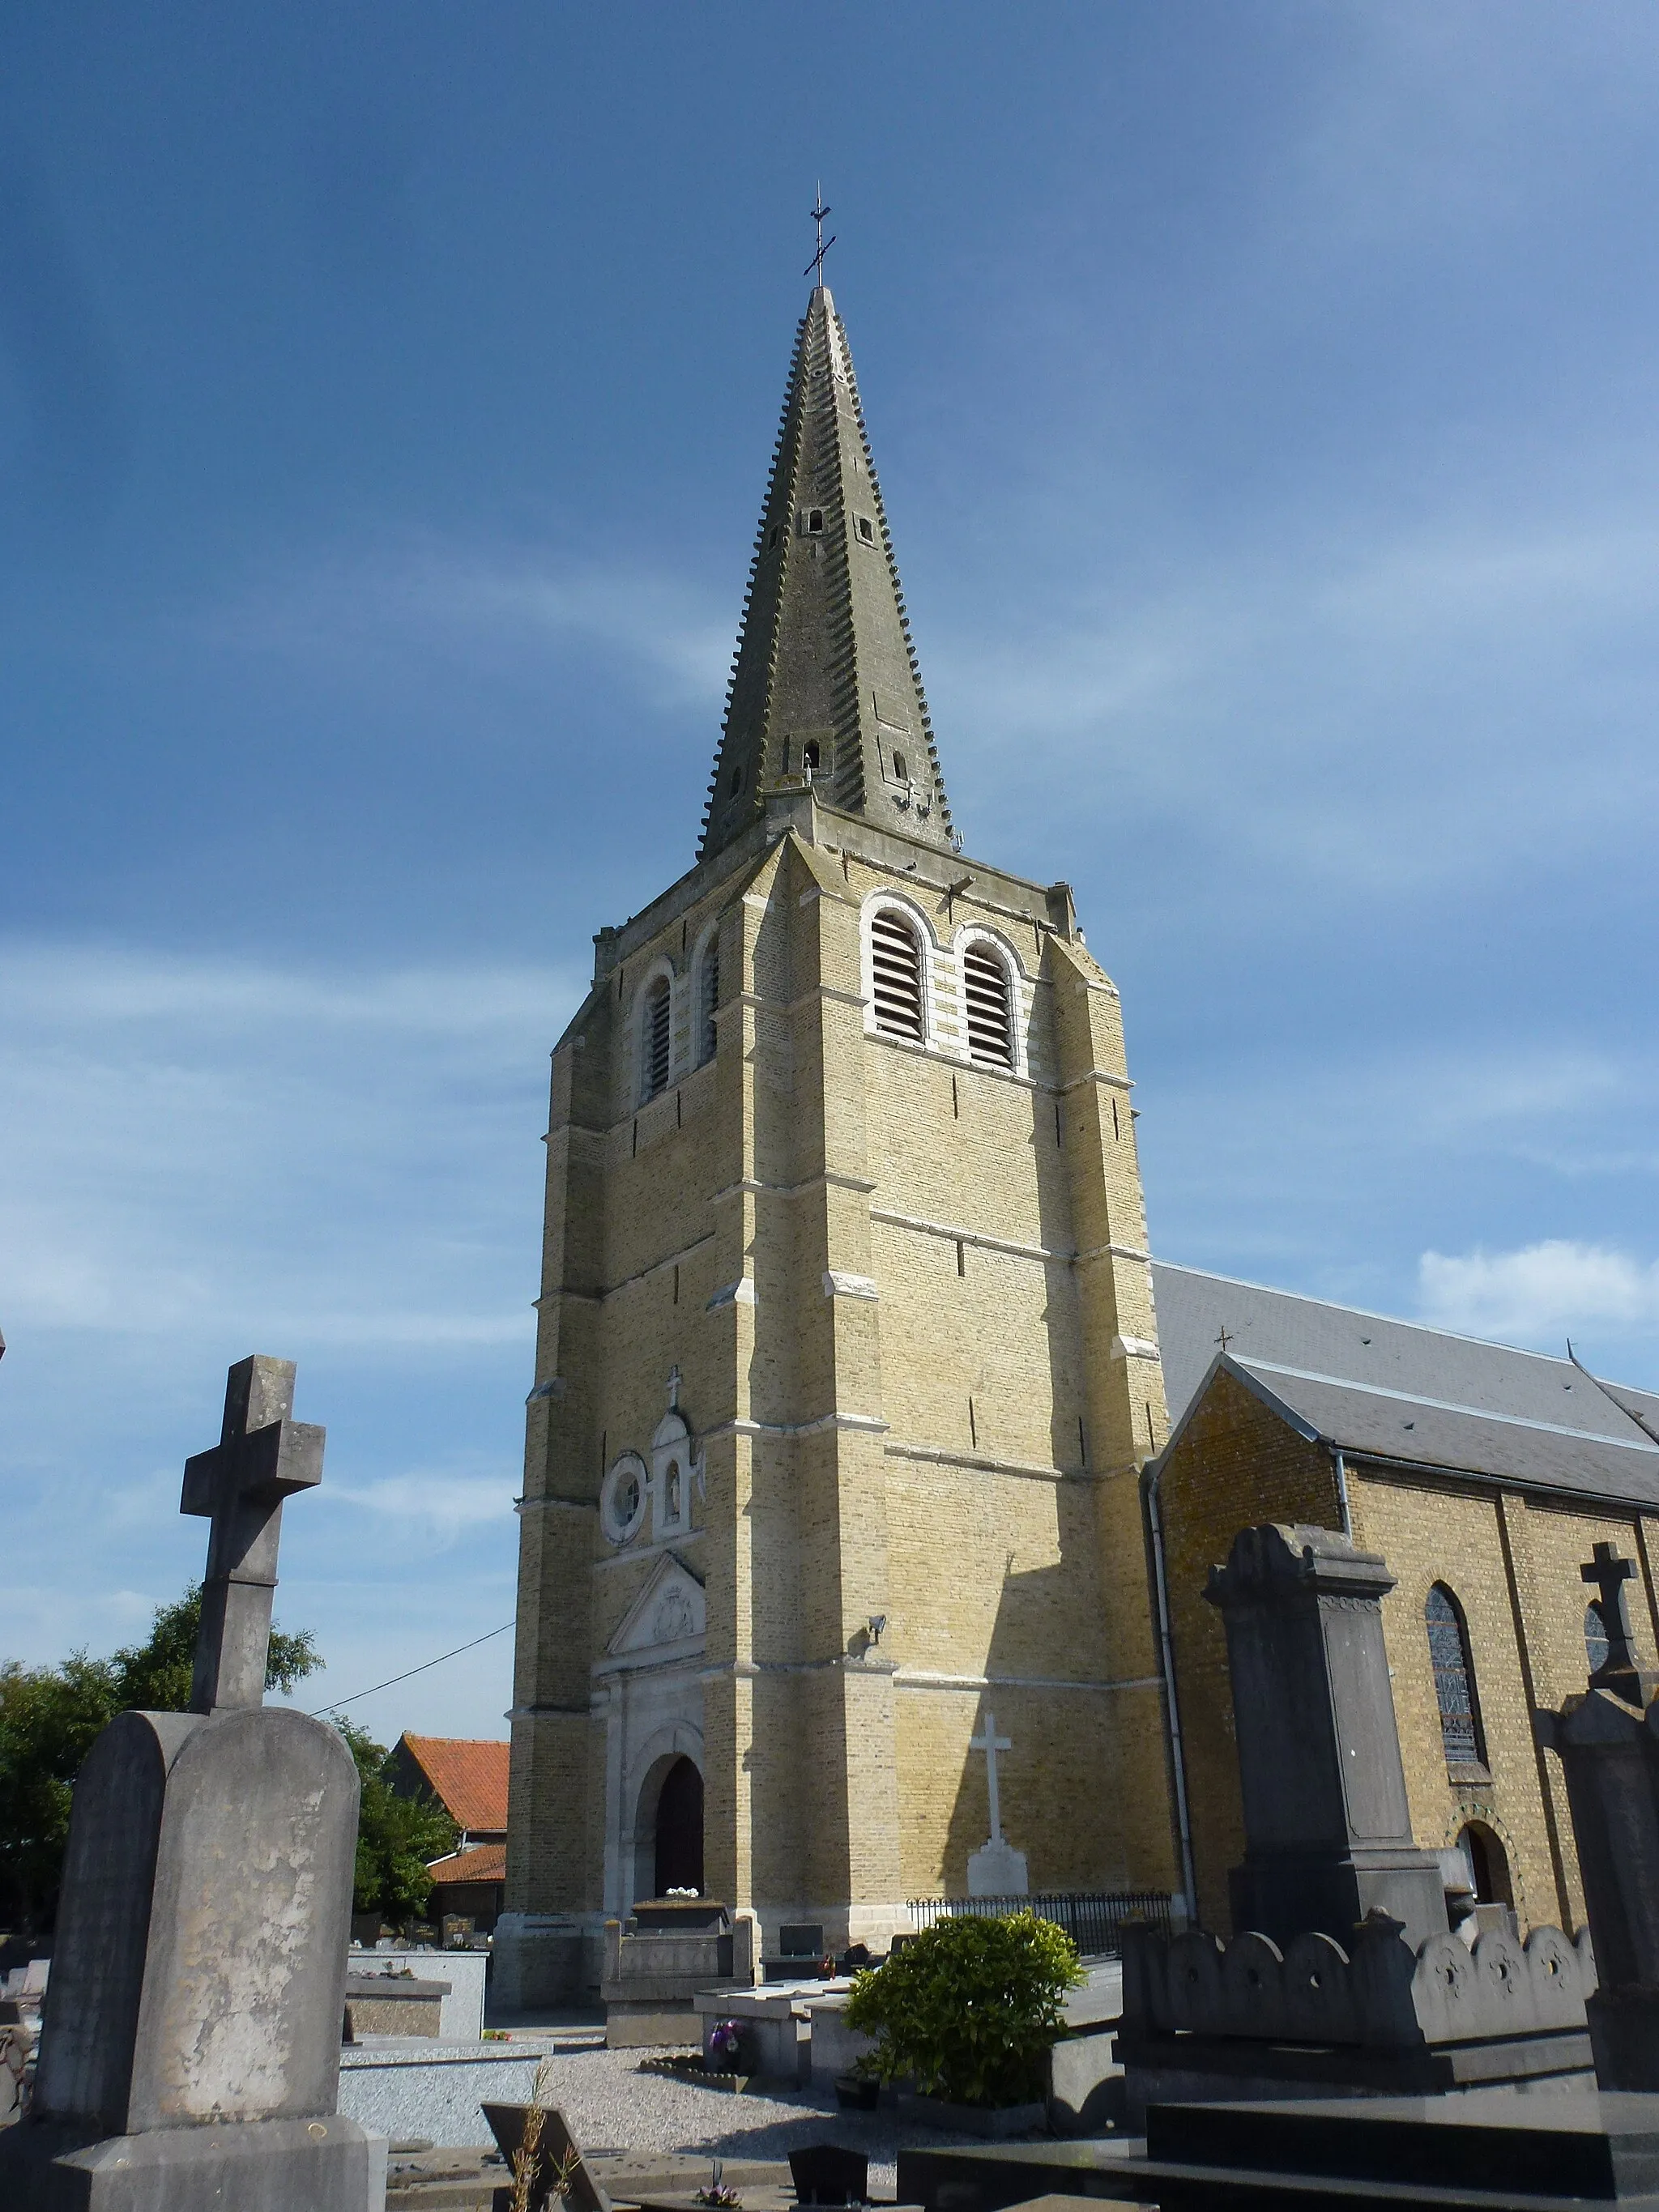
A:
(318, 1714)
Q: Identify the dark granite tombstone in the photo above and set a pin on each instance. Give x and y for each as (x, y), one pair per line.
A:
(826, 2173)
(1609, 1743)
(189, 2056)
(1327, 1828)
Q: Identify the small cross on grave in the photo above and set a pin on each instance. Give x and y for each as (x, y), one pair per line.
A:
(675, 1378)
(991, 1743)
(1618, 1672)
(261, 1458)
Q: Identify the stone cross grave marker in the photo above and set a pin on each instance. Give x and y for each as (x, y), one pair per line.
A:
(262, 1457)
(996, 1869)
(1607, 1573)
(190, 2052)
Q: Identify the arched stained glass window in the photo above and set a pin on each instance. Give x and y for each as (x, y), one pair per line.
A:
(1595, 1637)
(1454, 1678)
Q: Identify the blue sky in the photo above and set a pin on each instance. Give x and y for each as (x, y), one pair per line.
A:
(1264, 399)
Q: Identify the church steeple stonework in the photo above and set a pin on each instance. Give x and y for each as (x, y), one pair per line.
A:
(825, 689)
(840, 1142)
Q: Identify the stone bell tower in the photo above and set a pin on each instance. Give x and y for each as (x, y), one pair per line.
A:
(847, 1362)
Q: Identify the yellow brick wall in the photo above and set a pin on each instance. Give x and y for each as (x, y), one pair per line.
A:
(999, 1217)
(1513, 1562)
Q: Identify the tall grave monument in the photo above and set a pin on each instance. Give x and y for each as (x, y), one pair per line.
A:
(191, 2049)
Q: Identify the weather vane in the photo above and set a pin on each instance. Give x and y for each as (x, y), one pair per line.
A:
(819, 211)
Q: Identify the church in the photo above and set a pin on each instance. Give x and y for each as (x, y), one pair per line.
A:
(849, 1430)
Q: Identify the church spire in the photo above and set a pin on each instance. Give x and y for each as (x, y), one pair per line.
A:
(825, 683)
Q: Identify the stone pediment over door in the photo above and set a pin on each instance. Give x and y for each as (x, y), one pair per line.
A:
(666, 1621)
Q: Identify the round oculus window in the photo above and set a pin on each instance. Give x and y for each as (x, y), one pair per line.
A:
(621, 1498)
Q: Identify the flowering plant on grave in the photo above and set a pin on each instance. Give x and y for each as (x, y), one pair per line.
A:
(724, 2046)
(718, 2193)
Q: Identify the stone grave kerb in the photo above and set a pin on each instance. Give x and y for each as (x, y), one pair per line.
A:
(1327, 1820)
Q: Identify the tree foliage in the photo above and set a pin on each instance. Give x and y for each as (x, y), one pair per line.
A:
(396, 1838)
(50, 1717)
(969, 2007)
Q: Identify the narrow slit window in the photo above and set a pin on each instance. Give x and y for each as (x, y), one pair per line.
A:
(1454, 1678)
(990, 1008)
(811, 758)
(736, 785)
(897, 959)
(655, 1038)
(812, 522)
(867, 530)
(709, 1000)
(901, 768)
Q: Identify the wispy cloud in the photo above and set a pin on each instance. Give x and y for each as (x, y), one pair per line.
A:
(443, 1502)
(506, 603)
(1385, 712)
(346, 1157)
(1541, 1293)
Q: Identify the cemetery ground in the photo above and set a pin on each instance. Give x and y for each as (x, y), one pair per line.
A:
(639, 2129)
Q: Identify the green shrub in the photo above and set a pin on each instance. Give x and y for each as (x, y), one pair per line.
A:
(969, 2007)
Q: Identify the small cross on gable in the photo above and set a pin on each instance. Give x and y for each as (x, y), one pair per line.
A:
(261, 1458)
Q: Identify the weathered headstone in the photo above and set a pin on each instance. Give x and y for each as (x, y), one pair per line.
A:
(1609, 1744)
(190, 2051)
(1327, 1828)
(996, 1868)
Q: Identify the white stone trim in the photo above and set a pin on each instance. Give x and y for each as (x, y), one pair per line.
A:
(871, 1422)
(920, 1678)
(1027, 1470)
(1134, 1347)
(837, 1286)
(740, 1293)
(924, 1228)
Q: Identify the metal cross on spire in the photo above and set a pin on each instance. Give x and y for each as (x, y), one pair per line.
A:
(816, 264)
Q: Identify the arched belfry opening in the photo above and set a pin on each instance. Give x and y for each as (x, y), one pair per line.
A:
(678, 1858)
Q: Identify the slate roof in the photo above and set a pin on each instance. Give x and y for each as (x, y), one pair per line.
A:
(1377, 1388)
(467, 1777)
(483, 1862)
(825, 651)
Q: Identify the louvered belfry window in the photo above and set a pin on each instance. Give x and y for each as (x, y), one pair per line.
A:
(990, 1014)
(709, 998)
(655, 1038)
(896, 954)
(1454, 1678)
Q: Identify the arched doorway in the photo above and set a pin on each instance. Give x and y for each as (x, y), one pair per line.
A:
(1488, 1863)
(679, 1829)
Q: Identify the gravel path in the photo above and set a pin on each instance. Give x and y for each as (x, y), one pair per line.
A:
(611, 2106)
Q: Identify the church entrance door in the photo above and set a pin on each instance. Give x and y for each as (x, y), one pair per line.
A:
(679, 1829)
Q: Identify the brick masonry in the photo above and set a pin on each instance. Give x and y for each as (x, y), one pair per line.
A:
(958, 1452)
(1510, 1558)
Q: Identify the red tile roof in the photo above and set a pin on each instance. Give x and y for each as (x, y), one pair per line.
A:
(469, 1779)
(483, 1863)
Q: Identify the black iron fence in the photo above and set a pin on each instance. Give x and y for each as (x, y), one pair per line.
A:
(1093, 1919)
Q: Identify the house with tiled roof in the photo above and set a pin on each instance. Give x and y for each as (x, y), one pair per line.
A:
(468, 1779)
